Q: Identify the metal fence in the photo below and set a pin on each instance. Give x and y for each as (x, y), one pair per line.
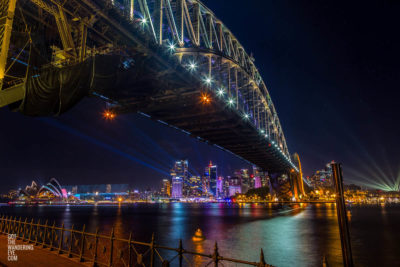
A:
(109, 250)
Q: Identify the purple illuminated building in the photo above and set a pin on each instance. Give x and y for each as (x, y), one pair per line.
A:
(177, 186)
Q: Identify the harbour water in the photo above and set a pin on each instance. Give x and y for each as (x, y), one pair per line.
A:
(296, 235)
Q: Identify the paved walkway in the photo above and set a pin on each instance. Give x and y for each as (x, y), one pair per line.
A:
(36, 258)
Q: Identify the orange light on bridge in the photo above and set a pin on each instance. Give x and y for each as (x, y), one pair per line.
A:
(109, 115)
(205, 98)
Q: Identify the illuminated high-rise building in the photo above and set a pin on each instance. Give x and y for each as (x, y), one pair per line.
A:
(234, 186)
(244, 177)
(220, 187)
(256, 178)
(177, 187)
(166, 188)
(205, 184)
(211, 175)
(195, 186)
(181, 169)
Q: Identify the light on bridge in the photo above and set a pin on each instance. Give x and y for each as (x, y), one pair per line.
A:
(208, 80)
(192, 66)
(231, 101)
(245, 115)
(143, 21)
(221, 92)
(205, 98)
(171, 46)
(109, 115)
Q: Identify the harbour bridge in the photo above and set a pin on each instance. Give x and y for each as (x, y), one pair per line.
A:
(171, 60)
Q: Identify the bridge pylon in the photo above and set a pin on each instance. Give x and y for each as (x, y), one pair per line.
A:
(297, 178)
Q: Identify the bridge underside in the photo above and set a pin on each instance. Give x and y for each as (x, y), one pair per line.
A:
(214, 123)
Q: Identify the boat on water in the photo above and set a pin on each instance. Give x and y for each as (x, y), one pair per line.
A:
(198, 236)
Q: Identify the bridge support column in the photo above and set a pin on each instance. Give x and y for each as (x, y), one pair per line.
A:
(7, 9)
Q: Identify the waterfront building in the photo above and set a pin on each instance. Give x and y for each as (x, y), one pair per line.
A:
(50, 191)
(93, 188)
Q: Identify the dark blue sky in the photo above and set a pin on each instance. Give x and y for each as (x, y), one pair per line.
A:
(332, 69)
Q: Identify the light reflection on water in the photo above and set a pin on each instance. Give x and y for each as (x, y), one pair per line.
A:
(300, 235)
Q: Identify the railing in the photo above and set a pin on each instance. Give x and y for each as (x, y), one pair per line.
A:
(103, 250)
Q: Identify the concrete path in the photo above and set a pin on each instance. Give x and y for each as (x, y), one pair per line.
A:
(34, 258)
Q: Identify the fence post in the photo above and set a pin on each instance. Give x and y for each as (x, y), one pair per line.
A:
(37, 232)
(180, 253)
(52, 235)
(82, 243)
(8, 224)
(61, 239)
(19, 227)
(12, 225)
(70, 243)
(111, 247)
(1, 223)
(129, 250)
(262, 260)
(152, 251)
(23, 235)
(216, 255)
(44, 236)
(96, 241)
(30, 231)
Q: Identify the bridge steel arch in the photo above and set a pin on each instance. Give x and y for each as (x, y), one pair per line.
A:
(211, 87)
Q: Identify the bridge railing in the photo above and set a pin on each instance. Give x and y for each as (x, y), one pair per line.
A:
(109, 250)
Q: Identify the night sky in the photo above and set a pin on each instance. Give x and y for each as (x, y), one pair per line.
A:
(332, 69)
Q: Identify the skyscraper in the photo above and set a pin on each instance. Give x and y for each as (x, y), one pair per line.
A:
(211, 175)
(195, 186)
(177, 186)
(180, 179)
(181, 169)
(234, 186)
(220, 187)
(166, 188)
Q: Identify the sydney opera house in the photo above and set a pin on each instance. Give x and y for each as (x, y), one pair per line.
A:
(51, 191)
